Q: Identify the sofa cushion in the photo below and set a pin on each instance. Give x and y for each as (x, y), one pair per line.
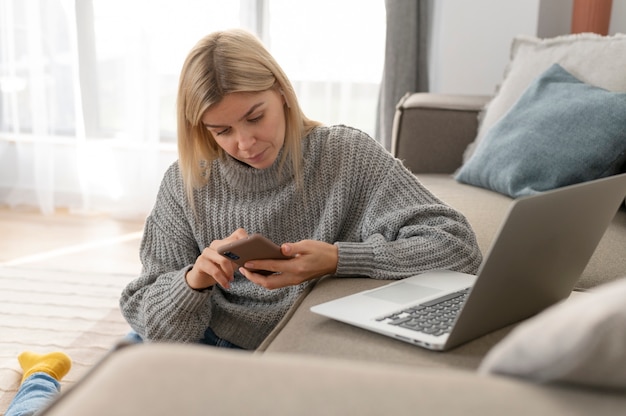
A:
(581, 342)
(594, 59)
(561, 131)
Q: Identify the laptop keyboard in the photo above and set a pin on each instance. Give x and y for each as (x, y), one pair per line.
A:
(434, 317)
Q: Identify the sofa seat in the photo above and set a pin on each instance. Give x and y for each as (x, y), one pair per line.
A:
(305, 332)
(485, 210)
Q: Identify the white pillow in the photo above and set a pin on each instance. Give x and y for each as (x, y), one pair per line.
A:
(581, 342)
(593, 59)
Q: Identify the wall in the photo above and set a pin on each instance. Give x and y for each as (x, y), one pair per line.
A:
(618, 17)
(471, 39)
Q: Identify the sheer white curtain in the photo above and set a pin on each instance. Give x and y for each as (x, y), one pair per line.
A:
(87, 87)
(333, 52)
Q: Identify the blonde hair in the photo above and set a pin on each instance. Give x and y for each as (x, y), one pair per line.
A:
(219, 64)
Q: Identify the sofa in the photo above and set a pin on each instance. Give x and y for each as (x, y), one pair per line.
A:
(313, 365)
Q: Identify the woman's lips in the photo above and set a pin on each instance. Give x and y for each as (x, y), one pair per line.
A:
(256, 158)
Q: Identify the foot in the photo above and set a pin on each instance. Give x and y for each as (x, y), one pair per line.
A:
(55, 364)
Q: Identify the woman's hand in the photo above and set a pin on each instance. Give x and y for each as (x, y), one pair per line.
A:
(311, 259)
(212, 268)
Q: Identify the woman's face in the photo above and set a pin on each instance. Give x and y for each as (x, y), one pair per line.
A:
(249, 126)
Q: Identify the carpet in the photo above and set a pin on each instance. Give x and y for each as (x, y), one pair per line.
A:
(54, 310)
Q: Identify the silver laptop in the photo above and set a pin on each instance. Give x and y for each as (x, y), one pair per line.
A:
(539, 253)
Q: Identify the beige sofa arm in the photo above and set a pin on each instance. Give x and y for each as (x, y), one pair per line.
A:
(431, 131)
(169, 379)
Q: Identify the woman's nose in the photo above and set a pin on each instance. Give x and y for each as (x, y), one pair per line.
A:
(245, 140)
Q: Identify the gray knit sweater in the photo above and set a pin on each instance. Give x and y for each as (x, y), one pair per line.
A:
(385, 224)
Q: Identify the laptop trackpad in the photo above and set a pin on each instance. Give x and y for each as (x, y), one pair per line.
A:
(402, 293)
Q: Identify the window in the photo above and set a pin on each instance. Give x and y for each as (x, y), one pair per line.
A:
(88, 87)
(333, 52)
(121, 70)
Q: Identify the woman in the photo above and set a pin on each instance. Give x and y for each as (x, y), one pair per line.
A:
(251, 162)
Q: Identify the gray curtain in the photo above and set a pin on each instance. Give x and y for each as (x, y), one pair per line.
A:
(406, 59)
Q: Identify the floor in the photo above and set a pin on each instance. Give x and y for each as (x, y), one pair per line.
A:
(64, 241)
(60, 281)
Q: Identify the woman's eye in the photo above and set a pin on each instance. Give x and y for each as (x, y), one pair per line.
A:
(222, 132)
(255, 119)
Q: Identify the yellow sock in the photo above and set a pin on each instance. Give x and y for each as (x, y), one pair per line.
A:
(55, 364)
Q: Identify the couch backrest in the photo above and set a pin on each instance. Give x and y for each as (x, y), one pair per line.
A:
(431, 131)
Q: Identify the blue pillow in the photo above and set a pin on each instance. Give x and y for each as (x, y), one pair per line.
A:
(561, 131)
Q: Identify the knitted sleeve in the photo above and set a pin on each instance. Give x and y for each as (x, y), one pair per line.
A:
(159, 304)
(405, 229)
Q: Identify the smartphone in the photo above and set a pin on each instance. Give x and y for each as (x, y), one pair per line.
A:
(254, 247)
